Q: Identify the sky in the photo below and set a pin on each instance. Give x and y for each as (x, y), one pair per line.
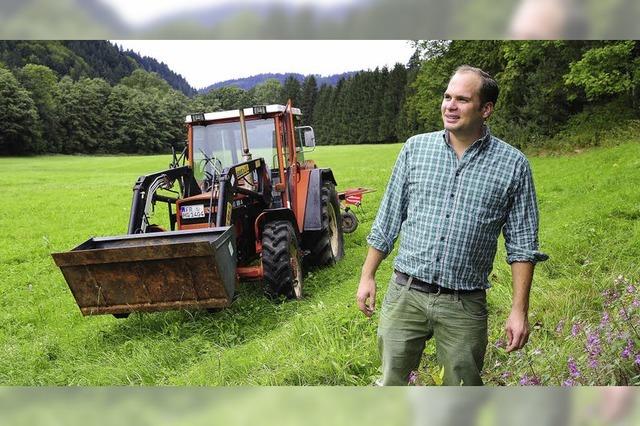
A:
(139, 12)
(205, 62)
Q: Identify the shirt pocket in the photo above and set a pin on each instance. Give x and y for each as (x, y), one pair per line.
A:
(488, 203)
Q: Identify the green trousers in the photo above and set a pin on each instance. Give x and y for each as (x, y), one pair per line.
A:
(409, 318)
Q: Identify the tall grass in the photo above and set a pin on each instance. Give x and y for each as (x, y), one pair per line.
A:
(589, 225)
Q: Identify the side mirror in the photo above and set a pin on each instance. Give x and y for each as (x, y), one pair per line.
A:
(308, 136)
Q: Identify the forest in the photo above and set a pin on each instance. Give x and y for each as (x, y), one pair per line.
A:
(94, 98)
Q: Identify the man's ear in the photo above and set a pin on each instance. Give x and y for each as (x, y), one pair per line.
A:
(487, 110)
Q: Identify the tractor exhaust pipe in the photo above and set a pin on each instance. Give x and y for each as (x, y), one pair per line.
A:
(246, 155)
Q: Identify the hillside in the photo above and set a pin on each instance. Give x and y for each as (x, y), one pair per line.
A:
(248, 83)
(87, 58)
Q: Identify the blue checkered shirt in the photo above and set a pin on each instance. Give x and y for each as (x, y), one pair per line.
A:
(450, 212)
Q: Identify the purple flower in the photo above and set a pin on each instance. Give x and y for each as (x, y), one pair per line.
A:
(573, 368)
(605, 319)
(626, 352)
(576, 329)
(499, 344)
(527, 380)
(637, 361)
(623, 315)
(631, 288)
(635, 303)
(593, 348)
(506, 374)
(569, 382)
(560, 326)
(413, 376)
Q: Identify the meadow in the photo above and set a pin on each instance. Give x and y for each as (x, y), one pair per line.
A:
(583, 304)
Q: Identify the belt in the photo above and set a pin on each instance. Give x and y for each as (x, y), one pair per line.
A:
(425, 287)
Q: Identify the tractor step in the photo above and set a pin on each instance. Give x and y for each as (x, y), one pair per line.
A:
(194, 269)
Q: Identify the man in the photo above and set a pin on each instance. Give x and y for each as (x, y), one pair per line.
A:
(451, 193)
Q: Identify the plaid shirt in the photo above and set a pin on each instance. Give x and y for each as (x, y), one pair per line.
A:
(451, 211)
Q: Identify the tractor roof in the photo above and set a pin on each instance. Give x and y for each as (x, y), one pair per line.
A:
(233, 113)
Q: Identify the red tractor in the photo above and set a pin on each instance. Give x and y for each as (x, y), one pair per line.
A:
(243, 203)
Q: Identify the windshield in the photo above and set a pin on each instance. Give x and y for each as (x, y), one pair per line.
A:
(223, 141)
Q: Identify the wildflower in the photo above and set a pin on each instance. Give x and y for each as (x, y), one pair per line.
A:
(576, 329)
(626, 352)
(623, 314)
(413, 376)
(637, 361)
(560, 326)
(536, 351)
(635, 303)
(569, 382)
(593, 344)
(631, 288)
(573, 368)
(527, 380)
(605, 319)
(593, 348)
(499, 344)
(508, 374)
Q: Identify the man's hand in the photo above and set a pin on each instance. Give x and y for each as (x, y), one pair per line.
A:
(517, 329)
(517, 326)
(366, 292)
(367, 288)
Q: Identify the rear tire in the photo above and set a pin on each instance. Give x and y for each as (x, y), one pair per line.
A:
(281, 260)
(326, 246)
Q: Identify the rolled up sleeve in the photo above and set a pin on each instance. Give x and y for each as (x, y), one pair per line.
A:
(521, 226)
(393, 208)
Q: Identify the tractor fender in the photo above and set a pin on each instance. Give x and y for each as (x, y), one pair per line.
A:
(275, 214)
(313, 207)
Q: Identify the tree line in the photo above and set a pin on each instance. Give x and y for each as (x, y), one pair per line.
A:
(546, 87)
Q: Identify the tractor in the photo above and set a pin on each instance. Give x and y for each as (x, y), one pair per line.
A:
(243, 204)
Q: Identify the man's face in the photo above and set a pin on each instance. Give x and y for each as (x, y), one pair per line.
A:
(462, 111)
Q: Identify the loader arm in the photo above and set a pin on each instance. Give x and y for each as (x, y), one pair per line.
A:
(144, 195)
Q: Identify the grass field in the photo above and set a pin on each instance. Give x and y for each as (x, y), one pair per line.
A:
(590, 211)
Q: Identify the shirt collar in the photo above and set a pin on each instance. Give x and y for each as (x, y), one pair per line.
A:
(482, 142)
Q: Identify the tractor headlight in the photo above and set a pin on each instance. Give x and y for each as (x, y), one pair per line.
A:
(260, 109)
(197, 117)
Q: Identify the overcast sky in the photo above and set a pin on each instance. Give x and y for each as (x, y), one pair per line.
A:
(204, 62)
(139, 12)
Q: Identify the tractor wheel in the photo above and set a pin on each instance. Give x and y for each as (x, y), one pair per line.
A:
(281, 260)
(349, 222)
(326, 246)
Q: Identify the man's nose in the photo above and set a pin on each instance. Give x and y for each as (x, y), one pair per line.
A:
(451, 104)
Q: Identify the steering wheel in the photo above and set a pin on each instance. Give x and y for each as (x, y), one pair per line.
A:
(211, 168)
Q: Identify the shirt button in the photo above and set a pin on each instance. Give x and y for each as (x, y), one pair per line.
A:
(458, 173)
(448, 216)
(452, 195)
(441, 238)
(437, 259)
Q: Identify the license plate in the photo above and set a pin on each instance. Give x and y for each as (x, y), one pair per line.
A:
(192, 212)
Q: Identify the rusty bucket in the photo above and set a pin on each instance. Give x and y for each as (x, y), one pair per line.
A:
(152, 272)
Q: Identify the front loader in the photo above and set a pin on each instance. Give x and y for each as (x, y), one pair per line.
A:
(243, 204)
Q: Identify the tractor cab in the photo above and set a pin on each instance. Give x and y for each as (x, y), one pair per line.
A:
(223, 139)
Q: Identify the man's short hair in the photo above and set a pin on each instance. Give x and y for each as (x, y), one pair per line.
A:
(489, 89)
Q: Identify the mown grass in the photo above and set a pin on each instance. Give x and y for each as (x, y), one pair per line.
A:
(590, 206)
